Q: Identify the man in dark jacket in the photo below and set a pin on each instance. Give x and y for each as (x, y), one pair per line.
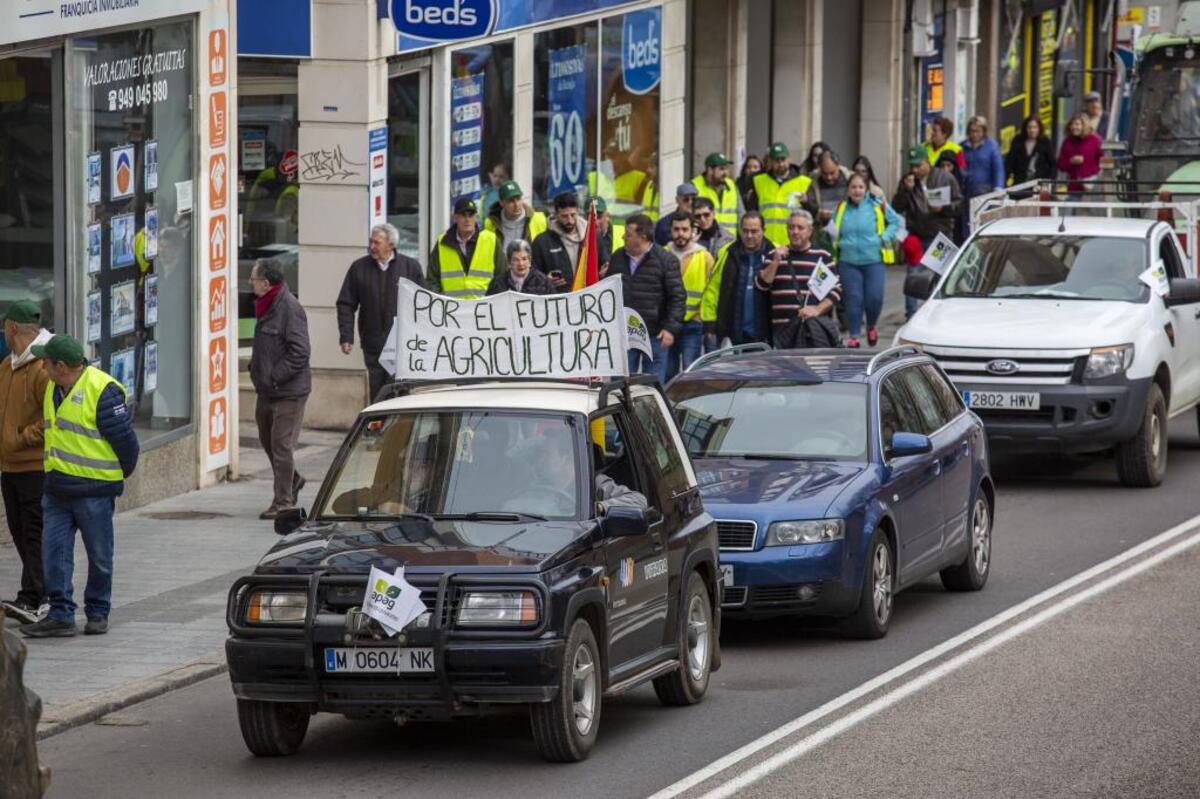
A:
(370, 289)
(91, 448)
(556, 251)
(929, 198)
(281, 376)
(736, 306)
(652, 286)
(710, 235)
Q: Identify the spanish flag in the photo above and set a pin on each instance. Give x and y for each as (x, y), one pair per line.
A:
(587, 269)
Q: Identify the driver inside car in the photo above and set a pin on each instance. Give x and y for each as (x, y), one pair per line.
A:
(554, 471)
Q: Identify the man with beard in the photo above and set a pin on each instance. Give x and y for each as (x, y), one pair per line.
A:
(695, 266)
(556, 251)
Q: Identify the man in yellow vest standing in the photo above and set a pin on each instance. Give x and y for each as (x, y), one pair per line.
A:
(465, 259)
(91, 448)
(696, 267)
(777, 191)
(511, 218)
(716, 185)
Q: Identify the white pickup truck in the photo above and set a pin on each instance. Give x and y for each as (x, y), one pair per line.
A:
(1044, 325)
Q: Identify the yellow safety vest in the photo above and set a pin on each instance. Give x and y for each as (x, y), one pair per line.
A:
(934, 155)
(73, 442)
(695, 271)
(886, 252)
(535, 224)
(472, 284)
(711, 301)
(776, 201)
(725, 206)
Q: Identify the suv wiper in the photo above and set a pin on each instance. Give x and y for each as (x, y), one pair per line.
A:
(1041, 295)
(492, 516)
(424, 517)
(757, 456)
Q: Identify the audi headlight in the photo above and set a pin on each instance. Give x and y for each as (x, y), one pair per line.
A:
(1108, 361)
(498, 609)
(277, 607)
(812, 532)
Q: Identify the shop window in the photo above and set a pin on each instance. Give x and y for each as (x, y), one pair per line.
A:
(406, 104)
(630, 80)
(564, 115)
(481, 132)
(130, 169)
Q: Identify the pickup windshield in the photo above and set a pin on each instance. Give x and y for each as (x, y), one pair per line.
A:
(796, 422)
(484, 465)
(1052, 267)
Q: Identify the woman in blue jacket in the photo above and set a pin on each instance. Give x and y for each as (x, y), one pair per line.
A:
(865, 233)
(985, 166)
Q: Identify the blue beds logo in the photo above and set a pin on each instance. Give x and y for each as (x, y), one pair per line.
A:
(641, 50)
(444, 20)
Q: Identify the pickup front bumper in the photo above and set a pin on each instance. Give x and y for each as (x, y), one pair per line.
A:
(278, 664)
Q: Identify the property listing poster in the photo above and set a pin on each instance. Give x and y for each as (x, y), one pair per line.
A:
(466, 137)
(568, 110)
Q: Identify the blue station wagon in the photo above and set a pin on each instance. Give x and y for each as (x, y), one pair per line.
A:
(836, 479)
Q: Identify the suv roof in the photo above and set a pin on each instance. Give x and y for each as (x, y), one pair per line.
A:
(1112, 227)
(799, 366)
(564, 396)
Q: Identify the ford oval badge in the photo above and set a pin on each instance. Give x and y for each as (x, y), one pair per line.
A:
(1002, 366)
(444, 20)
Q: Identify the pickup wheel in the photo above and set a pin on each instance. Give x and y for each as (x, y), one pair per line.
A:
(972, 573)
(1142, 461)
(564, 728)
(272, 729)
(687, 684)
(878, 593)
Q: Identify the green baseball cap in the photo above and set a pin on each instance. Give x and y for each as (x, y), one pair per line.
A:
(61, 348)
(917, 154)
(717, 159)
(778, 151)
(23, 312)
(509, 190)
(601, 206)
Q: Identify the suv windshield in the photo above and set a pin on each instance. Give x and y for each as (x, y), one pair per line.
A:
(819, 422)
(1053, 267)
(449, 464)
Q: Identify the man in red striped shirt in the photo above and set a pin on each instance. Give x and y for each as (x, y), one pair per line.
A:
(787, 278)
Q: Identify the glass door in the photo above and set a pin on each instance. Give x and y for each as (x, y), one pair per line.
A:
(408, 157)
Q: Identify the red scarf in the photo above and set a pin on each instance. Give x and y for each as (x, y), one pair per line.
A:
(263, 304)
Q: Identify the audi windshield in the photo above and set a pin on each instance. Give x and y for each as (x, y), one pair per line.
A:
(1051, 267)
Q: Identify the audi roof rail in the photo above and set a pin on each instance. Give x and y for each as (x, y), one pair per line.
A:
(737, 349)
(891, 354)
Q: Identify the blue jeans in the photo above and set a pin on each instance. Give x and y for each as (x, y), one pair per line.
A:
(862, 290)
(93, 518)
(638, 362)
(689, 341)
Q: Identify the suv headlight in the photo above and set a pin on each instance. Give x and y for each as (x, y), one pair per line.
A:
(1108, 361)
(498, 609)
(276, 607)
(811, 532)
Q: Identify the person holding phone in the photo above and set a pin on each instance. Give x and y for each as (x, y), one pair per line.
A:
(556, 250)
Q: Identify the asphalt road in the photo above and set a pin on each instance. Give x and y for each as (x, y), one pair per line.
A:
(1054, 520)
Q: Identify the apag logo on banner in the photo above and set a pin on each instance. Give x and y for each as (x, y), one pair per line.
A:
(444, 20)
(641, 50)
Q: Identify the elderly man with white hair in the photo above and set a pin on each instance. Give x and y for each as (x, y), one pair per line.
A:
(370, 290)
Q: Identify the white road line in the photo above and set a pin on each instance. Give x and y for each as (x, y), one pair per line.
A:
(905, 668)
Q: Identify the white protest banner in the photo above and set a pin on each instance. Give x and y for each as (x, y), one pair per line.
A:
(940, 253)
(637, 335)
(391, 600)
(822, 281)
(1156, 278)
(580, 334)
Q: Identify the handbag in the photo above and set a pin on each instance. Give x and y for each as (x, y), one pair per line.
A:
(799, 333)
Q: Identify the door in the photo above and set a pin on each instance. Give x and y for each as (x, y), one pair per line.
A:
(408, 157)
(1185, 349)
(913, 487)
(957, 459)
(636, 565)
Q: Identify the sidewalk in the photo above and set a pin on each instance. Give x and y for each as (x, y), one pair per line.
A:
(173, 565)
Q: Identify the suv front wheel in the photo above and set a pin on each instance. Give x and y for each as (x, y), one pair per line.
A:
(687, 684)
(272, 729)
(1142, 460)
(564, 728)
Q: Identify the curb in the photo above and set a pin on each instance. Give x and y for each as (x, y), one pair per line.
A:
(60, 718)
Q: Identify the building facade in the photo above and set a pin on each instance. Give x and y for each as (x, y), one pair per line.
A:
(116, 129)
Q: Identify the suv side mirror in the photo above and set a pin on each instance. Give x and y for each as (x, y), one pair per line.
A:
(920, 283)
(905, 444)
(290, 520)
(1184, 291)
(622, 522)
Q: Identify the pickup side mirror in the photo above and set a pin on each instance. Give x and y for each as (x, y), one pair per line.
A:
(290, 520)
(623, 522)
(920, 283)
(1184, 291)
(905, 444)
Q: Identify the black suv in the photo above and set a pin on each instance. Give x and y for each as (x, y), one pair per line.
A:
(556, 534)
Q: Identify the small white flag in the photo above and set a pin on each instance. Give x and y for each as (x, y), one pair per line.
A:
(637, 335)
(392, 600)
(822, 281)
(1156, 278)
(388, 359)
(940, 253)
